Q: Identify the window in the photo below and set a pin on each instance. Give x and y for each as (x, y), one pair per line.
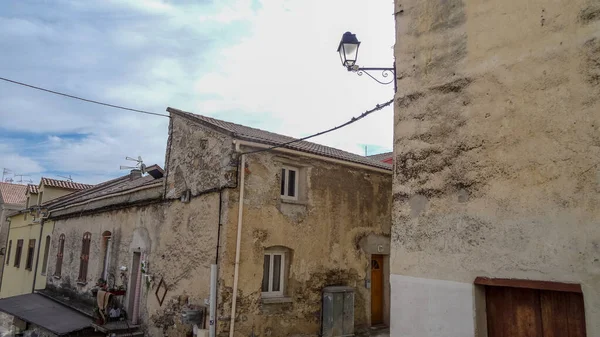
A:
(18, 252)
(107, 252)
(289, 183)
(85, 256)
(59, 255)
(273, 274)
(46, 250)
(8, 253)
(40, 198)
(30, 253)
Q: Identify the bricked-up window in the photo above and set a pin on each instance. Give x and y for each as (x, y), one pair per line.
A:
(289, 183)
(8, 253)
(85, 257)
(30, 253)
(59, 255)
(18, 251)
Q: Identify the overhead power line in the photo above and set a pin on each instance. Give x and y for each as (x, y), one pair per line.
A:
(82, 99)
(353, 120)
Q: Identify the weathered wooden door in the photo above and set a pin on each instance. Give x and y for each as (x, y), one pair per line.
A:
(520, 312)
(376, 289)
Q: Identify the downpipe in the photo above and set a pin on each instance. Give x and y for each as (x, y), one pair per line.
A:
(238, 243)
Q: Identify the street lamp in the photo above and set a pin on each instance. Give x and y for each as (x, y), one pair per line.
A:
(348, 50)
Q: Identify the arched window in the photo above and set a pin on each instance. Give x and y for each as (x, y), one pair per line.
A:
(85, 256)
(59, 255)
(46, 250)
(107, 249)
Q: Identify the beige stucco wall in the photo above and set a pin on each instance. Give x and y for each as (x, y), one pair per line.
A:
(18, 281)
(497, 123)
(325, 232)
(5, 209)
(50, 193)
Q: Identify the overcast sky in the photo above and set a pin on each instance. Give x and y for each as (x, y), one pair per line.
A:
(270, 64)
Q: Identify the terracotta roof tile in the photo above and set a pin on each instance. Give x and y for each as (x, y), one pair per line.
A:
(270, 138)
(12, 193)
(384, 157)
(32, 189)
(65, 184)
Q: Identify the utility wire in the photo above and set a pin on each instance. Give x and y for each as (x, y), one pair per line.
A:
(353, 120)
(83, 99)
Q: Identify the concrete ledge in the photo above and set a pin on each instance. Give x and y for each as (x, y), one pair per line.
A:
(275, 300)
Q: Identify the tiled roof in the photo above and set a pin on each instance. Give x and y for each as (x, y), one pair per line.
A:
(65, 184)
(12, 193)
(121, 184)
(32, 189)
(260, 136)
(381, 156)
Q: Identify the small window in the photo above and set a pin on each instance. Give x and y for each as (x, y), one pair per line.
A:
(59, 255)
(46, 250)
(8, 252)
(18, 251)
(85, 257)
(30, 253)
(273, 274)
(40, 198)
(289, 183)
(107, 243)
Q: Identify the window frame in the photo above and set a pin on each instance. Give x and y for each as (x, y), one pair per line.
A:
(282, 271)
(30, 255)
(285, 176)
(18, 253)
(46, 255)
(8, 252)
(59, 256)
(85, 257)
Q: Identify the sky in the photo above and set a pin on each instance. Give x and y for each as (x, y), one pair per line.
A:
(269, 64)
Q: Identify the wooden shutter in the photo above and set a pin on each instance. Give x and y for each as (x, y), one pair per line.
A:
(85, 256)
(18, 252)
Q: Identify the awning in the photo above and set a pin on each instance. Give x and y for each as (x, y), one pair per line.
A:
(46, 313)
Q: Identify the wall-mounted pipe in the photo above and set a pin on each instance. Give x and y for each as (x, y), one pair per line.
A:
(237, 244)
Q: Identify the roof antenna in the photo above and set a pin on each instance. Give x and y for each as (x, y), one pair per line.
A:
(139, 166)
(67, 178)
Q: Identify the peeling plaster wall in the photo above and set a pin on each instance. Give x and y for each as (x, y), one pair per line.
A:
(177, 239)
(338, 207)
(497, 148)
(198, 158)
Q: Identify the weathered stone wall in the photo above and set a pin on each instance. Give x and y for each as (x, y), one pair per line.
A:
(198, 158)
(178, 240)
(338, 207)
(497, 150)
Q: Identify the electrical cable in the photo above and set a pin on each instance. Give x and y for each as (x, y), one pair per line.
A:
(83, 99)
(354, 119)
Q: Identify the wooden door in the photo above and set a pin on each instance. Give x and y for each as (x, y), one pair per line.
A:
(520, 312)
(376, 289)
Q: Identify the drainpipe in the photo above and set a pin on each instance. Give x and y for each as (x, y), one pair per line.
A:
(237, 244)
(213, 301)
(37, 259)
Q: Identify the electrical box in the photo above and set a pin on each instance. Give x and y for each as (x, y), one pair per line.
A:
(337, 314)
(192, 316)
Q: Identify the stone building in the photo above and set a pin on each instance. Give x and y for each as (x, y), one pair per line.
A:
(497, 176)
(311, 217)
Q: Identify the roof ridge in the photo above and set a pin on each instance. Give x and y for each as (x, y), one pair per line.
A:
(269, 137)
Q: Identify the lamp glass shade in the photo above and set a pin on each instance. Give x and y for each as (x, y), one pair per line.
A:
(348, 49)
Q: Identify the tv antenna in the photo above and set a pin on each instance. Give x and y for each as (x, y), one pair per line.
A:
(21, 178)
(139, 166)
(67, 178)
(6, 171)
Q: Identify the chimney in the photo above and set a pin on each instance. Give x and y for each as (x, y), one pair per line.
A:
(135, 173)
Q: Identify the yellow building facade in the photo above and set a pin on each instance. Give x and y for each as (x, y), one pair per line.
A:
(30, 237)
